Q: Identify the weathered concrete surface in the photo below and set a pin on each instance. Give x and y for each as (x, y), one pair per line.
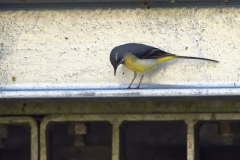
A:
(58, 47)
(141, 107)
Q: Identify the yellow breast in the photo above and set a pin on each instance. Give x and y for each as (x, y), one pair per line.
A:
(143, 65)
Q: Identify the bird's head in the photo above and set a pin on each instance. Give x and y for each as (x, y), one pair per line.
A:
(116, 58)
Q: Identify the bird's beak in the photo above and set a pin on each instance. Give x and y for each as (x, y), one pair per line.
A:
(115, 70)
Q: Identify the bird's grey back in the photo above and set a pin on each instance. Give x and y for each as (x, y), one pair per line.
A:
(134, 48)
(141, 51)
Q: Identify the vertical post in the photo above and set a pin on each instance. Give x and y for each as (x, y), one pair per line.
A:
(190, 139)
(34, 138)
(115, 139)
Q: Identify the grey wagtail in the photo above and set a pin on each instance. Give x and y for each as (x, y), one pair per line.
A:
(141, 58)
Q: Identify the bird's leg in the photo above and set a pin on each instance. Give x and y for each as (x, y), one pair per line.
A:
(140, 81)
(135, 75)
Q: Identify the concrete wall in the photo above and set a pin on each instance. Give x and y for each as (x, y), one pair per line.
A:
(71, 47)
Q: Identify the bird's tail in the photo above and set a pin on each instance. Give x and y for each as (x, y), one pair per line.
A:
(185, 57)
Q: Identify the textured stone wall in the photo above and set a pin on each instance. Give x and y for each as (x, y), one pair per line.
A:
(71, 47)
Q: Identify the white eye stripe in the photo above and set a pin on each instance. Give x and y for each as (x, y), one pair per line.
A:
(122, 60)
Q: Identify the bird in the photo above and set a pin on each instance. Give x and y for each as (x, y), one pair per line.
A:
(142, 58)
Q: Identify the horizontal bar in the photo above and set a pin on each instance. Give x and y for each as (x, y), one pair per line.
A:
(5, 5)
(113, 1)
(184, 93)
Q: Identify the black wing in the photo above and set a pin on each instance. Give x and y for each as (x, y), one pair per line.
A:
(152, 53)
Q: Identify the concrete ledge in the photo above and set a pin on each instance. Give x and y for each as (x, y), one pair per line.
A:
(141, 94)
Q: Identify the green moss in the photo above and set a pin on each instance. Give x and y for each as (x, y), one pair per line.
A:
(131, 107)
(213, 117)
(14, 78)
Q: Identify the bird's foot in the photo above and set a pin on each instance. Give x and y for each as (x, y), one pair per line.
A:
(138, 87)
